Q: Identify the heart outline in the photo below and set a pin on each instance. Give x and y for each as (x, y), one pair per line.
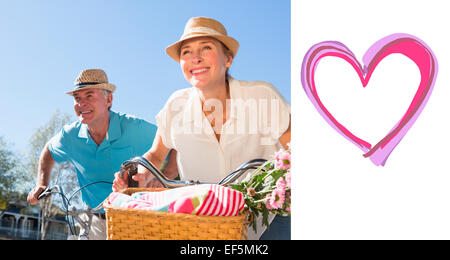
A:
(408, 45)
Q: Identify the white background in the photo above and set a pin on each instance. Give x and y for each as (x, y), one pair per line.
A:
(339, 194)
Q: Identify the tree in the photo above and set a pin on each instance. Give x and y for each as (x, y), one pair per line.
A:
(7, 164)
(62, 174)
(8, 175)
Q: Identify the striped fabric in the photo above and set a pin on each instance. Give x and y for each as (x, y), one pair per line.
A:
(205, 199)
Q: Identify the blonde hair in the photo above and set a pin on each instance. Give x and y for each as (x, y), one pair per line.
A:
(227, 52)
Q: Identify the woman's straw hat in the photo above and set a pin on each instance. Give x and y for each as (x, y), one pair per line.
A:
(202, 27)
(92, 78)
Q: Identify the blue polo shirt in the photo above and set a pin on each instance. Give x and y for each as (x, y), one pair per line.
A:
(127, 137)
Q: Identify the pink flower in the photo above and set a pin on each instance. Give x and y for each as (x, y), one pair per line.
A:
(287, 176)
(275, 200)
(281, 184)
(283, 160)
(268, 204)
(251, 192)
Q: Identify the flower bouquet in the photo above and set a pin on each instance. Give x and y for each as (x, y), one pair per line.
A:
(268, 189)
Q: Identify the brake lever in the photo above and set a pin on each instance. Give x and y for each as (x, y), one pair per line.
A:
(44, 193)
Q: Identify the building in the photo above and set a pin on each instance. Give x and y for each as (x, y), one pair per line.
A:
(14, 225)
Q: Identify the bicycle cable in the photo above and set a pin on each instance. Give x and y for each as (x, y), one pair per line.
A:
(66, 202)
(75, 192)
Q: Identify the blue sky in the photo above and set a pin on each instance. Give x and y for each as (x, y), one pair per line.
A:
(44, 44)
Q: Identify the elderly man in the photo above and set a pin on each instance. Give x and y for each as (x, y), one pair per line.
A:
(97, 144)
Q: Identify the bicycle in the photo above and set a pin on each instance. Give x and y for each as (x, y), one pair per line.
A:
(131, 167)
(138, 224)
(73, 213)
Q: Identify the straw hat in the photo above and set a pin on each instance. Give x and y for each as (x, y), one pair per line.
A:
(201, 27)
(92, 78)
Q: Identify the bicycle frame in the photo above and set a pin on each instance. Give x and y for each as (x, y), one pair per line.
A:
(130, 166)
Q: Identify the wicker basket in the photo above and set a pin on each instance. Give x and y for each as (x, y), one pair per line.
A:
(135, 224)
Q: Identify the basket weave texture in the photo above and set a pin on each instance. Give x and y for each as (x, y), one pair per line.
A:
(136, 224)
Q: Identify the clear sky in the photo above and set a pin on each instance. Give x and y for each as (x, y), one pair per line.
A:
(44, 44)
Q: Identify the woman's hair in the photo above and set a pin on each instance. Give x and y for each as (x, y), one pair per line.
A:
(227, 52)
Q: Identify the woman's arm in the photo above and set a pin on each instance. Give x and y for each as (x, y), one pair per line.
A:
(171, 168)
(286, 137)
(158, 152)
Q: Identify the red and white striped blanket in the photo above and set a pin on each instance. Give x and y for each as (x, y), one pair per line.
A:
(204, 199)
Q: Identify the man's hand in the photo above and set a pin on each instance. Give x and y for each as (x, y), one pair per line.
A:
(34, 193)
(45, 167)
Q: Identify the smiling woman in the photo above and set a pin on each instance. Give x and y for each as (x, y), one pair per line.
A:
(202, 123)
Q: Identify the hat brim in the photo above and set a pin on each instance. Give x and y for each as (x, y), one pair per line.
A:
(105, 86)
(174, 50)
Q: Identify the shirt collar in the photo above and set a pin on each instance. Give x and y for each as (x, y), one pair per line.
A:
(114, 130)
(83, 133)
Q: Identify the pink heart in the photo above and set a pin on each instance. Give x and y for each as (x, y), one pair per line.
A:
(405, 44)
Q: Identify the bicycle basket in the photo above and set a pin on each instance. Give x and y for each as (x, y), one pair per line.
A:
(136, 224)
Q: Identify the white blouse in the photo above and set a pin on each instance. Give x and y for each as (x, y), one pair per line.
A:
(259, 115)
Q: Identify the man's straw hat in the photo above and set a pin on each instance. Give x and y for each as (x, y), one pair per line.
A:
(92, 78)
(203, 27)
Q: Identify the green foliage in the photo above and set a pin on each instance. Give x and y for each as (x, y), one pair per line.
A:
(8, 170)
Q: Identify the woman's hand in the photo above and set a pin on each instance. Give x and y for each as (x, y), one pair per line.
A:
(145, 180)
(156, 155)
(120, 184)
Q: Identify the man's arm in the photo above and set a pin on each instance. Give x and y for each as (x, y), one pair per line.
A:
(46, 164)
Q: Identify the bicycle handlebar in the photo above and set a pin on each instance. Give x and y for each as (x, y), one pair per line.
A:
(130, 166)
